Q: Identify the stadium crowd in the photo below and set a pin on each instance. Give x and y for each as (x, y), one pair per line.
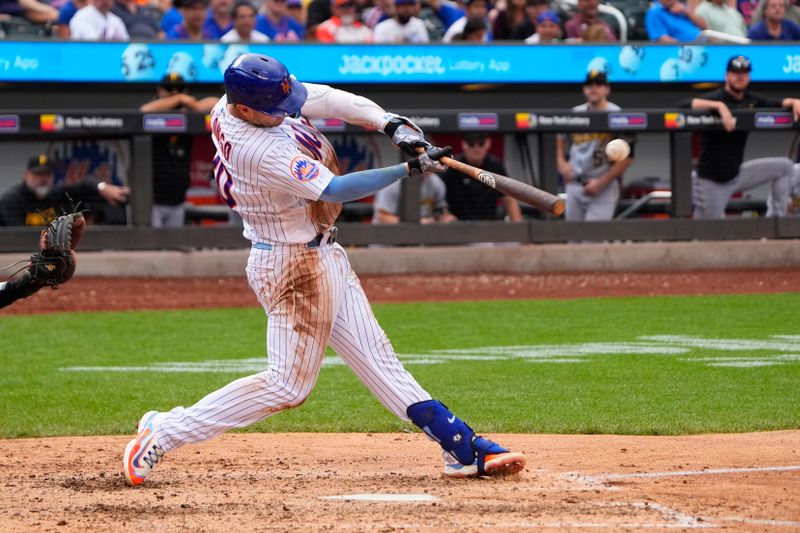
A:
(398, 21)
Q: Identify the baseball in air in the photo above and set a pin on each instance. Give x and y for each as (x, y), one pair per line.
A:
(617, 150)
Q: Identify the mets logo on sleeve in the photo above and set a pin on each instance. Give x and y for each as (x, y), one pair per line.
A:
(304, 169)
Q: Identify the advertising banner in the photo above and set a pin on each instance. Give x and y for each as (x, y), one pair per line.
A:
(47, 61)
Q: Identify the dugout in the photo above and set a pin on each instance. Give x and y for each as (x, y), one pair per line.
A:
(508, 102)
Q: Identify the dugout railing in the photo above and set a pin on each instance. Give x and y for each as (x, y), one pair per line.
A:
(543, 125)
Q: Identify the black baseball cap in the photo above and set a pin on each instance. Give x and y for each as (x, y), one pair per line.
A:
(40, 164)
(738, 64)
(596, 77)
(172, 81)
(475, 137)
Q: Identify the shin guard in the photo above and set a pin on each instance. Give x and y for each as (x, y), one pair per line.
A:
(452, 433)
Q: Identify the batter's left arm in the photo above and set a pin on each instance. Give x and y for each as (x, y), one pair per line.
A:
(326, 102)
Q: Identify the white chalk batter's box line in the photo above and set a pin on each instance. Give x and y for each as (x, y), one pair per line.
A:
(666, 517)
(669, 518)
(682, 520)
(785, 350)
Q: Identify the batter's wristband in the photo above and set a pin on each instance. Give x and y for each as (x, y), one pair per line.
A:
(392, 126)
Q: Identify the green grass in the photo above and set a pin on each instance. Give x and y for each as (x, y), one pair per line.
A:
(632, 394)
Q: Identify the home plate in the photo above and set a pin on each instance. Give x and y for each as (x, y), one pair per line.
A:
(383, 497)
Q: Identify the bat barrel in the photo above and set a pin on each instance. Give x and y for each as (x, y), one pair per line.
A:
(523, 192)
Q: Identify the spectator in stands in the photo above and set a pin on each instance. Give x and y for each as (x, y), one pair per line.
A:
(172, 153)
(403, 27)
(721, 17)
(470, 199)
(746, 8)
(318, 12)
(720, 171)
(219, 21)
(438, 15)
(792, 11)
(505, 20)
(548, 29)
(141, 21)
(192, 27)
(65, 15)
(526, 28)
(244, 25)
(380, 11)
(96, 22)
(775, 26)
(275, 22)
(670, 21)
(591, 181)
(35, 201)
(588, 14)
(31, 10)
(294, 9)
(474, 31)
(172, 16)
(343, 26)
(432, 202)
(475, 8)
(594, 32)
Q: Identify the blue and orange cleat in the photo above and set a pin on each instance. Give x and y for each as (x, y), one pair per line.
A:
(143, 452)
(491, 459)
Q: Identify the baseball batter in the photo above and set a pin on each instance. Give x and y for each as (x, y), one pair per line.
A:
(282, 177)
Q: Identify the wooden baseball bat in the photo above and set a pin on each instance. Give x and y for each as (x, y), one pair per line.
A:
(523, 192)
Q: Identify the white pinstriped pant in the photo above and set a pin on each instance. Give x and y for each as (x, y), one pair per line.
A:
(313, 298)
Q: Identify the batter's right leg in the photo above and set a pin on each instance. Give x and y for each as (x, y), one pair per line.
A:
(362, 344)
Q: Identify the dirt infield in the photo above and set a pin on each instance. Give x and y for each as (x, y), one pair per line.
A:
(310, 482)
(119, 294)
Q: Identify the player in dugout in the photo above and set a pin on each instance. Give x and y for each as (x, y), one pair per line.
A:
(591, 181)
(720, 171)
(37, 200)
(470, 199)
(172, 152)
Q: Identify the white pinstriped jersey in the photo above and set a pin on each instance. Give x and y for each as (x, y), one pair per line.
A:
(273, 177)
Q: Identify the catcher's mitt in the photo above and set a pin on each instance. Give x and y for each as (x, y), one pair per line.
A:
(55, 261)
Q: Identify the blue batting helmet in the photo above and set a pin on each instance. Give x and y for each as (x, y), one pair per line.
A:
(263, 83)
